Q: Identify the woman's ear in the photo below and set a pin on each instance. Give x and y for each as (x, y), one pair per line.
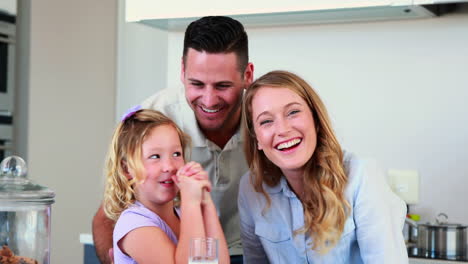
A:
(125, 170)
(316, 124)
(258, 145)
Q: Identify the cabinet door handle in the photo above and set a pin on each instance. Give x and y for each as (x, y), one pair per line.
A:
(5, 147)
(7, 40)
(6, 117)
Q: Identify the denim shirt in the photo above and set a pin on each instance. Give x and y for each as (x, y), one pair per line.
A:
(372, 232)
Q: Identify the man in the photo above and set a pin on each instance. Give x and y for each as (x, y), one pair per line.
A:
(215, 70)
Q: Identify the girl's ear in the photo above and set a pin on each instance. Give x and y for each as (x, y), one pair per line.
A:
(125, 170)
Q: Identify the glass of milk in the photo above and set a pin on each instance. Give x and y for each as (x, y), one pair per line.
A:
(203, 250)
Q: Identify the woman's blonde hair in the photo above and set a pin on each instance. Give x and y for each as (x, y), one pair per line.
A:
(325, 207)
(125, 154)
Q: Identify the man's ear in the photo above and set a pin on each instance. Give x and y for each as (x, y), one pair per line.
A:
(248, 74)
(182, 70)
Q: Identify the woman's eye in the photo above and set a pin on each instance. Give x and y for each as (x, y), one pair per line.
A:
(154, 156)
(293, 112)
(177, 154)
(263, 122)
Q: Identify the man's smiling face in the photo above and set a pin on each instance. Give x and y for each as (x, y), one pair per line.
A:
(213, 88)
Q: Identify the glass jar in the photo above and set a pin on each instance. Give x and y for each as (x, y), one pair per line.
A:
(25, 210)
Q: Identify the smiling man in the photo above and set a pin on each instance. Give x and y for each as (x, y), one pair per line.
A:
(215, 70)
(213, 89)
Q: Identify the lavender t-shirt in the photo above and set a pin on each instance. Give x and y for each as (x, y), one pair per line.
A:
(134, 217)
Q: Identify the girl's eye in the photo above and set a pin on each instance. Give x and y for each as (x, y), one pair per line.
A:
(154, 156)
(177, 154)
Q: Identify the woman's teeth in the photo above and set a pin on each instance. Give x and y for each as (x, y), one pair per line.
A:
(288, 144)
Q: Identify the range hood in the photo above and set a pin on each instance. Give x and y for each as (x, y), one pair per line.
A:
(177, 14)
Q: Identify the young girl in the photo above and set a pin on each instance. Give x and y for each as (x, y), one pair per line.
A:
(325, 206)
(145, 172)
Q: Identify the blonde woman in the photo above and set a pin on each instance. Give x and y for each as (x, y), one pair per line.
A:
(305, 200)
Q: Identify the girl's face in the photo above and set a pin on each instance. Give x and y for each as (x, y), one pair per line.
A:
(162, 156)
(284, 127)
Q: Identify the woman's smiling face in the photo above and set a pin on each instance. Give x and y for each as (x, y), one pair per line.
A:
(284, 128)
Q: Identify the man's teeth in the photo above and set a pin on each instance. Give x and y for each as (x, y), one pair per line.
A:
(210, 110)
(288, 144)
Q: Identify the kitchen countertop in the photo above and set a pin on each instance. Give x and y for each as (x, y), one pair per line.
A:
(89, 250)
(87, 239)
(433, 261)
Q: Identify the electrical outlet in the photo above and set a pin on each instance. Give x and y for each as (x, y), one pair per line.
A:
(405, 183)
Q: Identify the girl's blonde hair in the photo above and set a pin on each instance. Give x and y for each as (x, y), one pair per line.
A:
(325, 207)
(125, 154)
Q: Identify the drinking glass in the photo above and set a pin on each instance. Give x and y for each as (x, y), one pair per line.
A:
(203, 250)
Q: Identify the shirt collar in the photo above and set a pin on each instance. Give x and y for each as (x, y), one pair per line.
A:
(190, 125)
(199, 139)
(281, 187)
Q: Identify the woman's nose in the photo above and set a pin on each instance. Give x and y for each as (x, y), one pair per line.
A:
(282, 126)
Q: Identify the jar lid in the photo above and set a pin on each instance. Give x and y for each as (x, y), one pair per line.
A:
(16, 187)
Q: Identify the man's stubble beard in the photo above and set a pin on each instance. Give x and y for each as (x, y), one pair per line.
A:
(234, 111)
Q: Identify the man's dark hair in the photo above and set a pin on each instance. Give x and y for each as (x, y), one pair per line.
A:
(218, 34)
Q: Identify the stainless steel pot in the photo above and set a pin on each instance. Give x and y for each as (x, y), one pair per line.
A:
(442, 239)
(410, 233)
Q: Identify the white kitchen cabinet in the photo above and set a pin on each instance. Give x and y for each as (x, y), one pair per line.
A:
(150, 9)
(176, 14)
(430, 2)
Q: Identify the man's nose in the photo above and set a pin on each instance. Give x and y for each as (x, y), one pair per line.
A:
(209, 97)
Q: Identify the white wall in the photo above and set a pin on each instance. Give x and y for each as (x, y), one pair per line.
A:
(71, 111)
(395, 90)
(142, 62)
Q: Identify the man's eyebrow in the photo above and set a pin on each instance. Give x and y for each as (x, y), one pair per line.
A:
(194, 80)
(224, 82)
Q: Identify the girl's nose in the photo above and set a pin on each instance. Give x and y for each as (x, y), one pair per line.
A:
(168, 165)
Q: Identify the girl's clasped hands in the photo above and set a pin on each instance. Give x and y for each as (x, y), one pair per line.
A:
(193, 183)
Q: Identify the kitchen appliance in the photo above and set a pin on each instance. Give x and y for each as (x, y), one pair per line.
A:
(7, 74)
(433, 261)
(440, 240)
(410, 230)
(25, 215)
